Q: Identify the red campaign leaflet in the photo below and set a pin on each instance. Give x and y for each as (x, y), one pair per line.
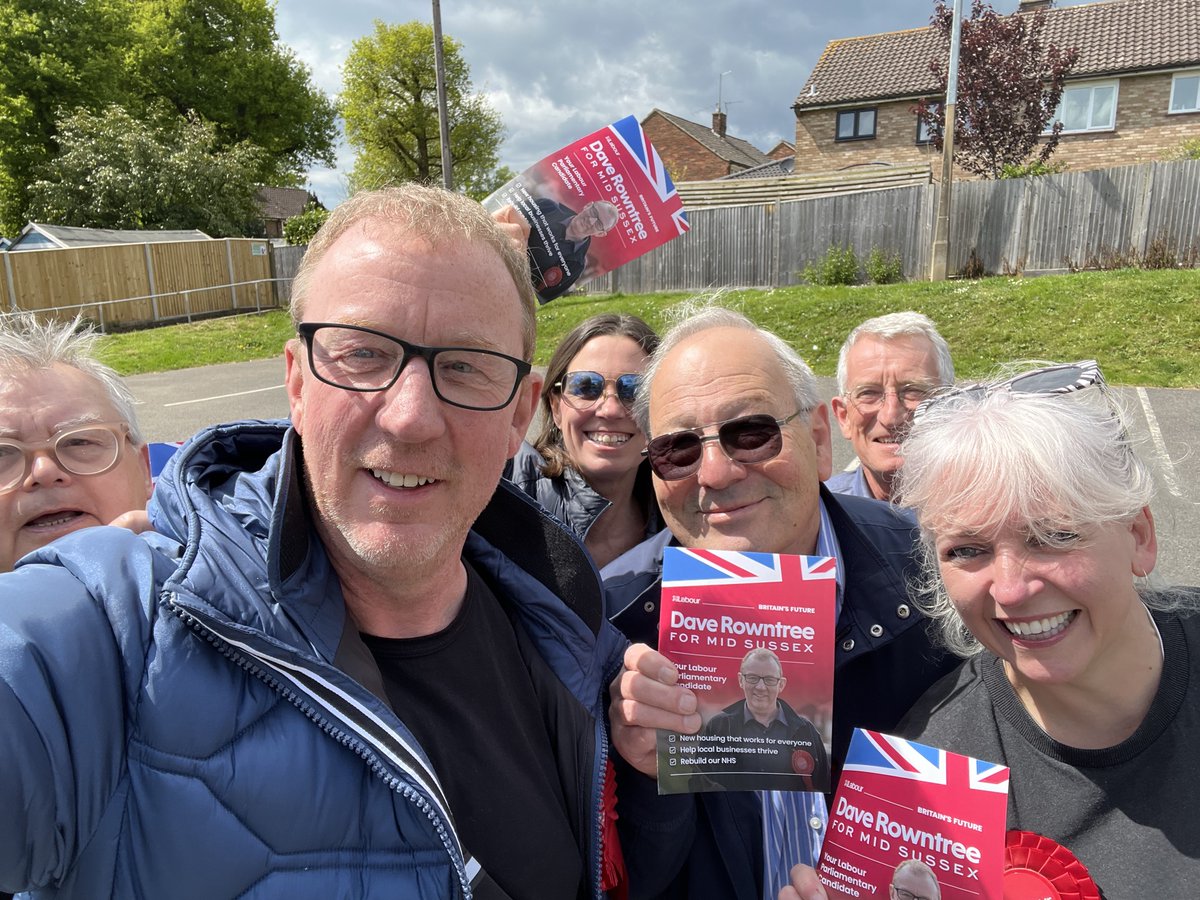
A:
(752, 635)
(593, 206)
(927, 822)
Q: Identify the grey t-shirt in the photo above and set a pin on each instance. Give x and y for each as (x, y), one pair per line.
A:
(1131, 813)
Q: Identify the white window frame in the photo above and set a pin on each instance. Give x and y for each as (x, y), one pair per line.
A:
(1171, 110)
(1114, 83)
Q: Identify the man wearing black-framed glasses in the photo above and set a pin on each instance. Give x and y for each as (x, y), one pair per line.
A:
(739, 441)
(347, 661)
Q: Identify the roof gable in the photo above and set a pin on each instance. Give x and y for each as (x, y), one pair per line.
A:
(729, 148)
(282, 203)
(1112, 37)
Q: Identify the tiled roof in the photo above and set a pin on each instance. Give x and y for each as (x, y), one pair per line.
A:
(282, 203)
(771, 169)
(1112, 37)
(730, 148)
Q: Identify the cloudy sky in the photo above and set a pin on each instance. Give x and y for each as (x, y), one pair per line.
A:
(556, 70)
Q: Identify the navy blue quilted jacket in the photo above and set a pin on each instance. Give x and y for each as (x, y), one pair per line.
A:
(187, 714)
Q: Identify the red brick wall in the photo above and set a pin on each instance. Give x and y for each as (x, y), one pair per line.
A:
(1144, 132)
(686, 159)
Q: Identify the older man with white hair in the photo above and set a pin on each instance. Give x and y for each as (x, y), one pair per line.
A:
(887, 366)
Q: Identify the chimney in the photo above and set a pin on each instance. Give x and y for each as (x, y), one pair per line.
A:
(1031, 5)
(719, 123)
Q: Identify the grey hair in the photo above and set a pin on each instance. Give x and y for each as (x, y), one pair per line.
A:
(894, 325)
(703, 313)
(29, 344)
(915, 865)
(430, 214)
(977, 459)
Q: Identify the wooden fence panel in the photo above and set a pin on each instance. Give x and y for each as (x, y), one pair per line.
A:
(251, 270)
(284, 263)
(77, 279)
(1173, 210)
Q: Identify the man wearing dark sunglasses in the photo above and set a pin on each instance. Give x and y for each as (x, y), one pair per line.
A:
(739, 442)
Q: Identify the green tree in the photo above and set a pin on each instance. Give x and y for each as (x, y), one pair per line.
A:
(54, 54)
(119, 171)
(300, 230)
(389, 104)
(222, 59)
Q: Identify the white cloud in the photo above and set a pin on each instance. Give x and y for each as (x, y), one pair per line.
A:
(556, 71)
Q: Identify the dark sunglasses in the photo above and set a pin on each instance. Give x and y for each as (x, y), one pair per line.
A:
(747, 439)
(583, 389)
(1063, 379)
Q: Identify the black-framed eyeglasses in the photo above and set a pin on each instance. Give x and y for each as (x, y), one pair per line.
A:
(584, 389)
(746, 439)
(869, 398)
(355, 358)
(755, 680)
(84, 450)
(1060, 379)
(905, 894)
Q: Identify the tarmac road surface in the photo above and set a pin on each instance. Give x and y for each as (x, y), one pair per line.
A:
(174, 405)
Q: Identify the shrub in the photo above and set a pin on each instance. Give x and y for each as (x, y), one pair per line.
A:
(839, 265)
(299, 230)
(973, 269)
(1032, 169)
(1189, 149)
(884, 266)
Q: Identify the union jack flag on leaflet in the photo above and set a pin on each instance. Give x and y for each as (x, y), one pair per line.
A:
(752, 635)
(592, 206)
(924, 820)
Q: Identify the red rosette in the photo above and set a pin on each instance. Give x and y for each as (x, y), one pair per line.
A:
(1037, 868)
(803, 762)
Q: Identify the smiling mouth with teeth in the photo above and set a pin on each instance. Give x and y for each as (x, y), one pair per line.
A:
(1041, 629)
(396, 480)
(607, 437)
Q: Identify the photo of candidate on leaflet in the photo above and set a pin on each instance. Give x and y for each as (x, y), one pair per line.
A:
(770, 742)
(558, 247)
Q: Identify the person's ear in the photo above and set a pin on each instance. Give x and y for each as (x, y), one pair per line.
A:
(818, 426)
(1145, 543)
(294, 380)
(841, 412)
(524, 405)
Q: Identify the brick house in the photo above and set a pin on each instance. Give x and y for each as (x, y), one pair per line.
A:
(1132, 96)
(278, 204)
(695, 152)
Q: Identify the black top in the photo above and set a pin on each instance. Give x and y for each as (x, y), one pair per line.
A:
(475, 713)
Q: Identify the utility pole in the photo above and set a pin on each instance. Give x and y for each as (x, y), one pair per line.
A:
(443, 117)
(941, 230)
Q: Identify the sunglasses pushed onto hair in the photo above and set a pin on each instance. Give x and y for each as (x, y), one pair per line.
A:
(746, 440)
(584, 389)
(1061, 379)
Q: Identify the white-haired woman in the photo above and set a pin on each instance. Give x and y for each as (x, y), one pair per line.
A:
(1037, 536)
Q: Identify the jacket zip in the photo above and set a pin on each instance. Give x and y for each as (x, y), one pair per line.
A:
(354, 741)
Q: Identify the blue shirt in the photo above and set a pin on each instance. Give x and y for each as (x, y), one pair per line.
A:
(794, 821)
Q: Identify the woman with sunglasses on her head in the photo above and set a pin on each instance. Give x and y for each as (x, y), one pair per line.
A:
(585, 465)
(1037, 535)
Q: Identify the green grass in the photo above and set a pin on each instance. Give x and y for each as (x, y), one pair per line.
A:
(229, 339)
(1143, 326)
